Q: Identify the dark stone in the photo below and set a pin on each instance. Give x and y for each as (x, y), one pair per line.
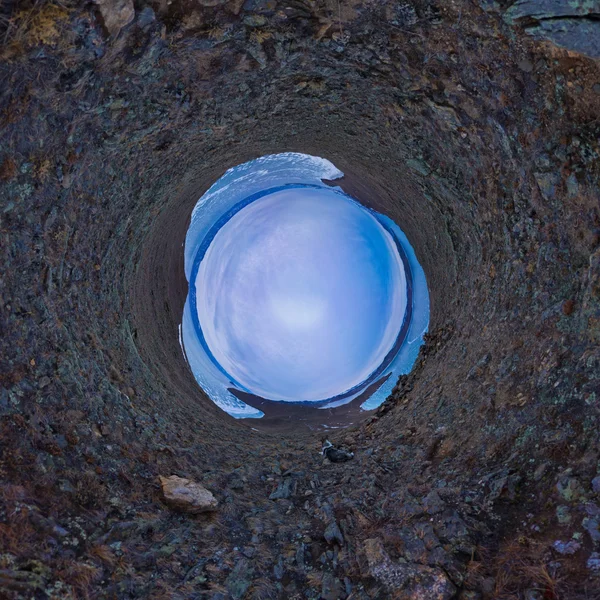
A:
(284, 490)
(551, 9)
(333, 534)
(578, 35)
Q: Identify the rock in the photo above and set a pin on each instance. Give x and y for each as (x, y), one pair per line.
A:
(332, 588)
(433, 504)
(116, 14)
(455, 569)
(333, 534)
(550, 9)
(239, 580)
(184, 494)
(146, 17)
(284, 490)
(44, 382)
(562, 23)
(255, 20)
(540, 471)
(416, 582)
(504, 487)
(563, 515)
(596, 484)
(413, 548)
(577, 35)
(568, 307)
(593, 562)
(569, 547)
(592, 526)
(525, 65)
(548, 183)
(569, 488)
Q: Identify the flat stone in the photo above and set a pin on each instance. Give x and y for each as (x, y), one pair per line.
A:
(184, 494)
(551, 9)
(578, 35)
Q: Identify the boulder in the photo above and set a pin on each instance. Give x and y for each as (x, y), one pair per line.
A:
(116, 14)
(186, 495)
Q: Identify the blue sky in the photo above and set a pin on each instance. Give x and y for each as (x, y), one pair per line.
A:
(301, 295)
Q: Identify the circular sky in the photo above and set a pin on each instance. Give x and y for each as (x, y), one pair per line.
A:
(301, 295)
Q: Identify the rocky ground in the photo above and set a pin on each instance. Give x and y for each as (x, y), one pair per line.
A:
(470, 125)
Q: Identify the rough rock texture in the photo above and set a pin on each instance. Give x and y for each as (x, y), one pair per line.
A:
(116, 14)
(188, 496)
(570, 24)
(573, 34)
(481, 142)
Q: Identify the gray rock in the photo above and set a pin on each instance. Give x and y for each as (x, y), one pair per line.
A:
(577, 35)
(596, 484)
(593, 562)
(569, 547)
(415, 581)
(547, 182)
(563, 515)
(433, 504)
(592, 526)
(284, 490)
(146, 17)
(551, 9)
(333, 534)
(569, 488)
(332, 588)
(43, 382)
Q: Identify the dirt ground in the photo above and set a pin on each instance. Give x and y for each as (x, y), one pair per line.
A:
(479, 478)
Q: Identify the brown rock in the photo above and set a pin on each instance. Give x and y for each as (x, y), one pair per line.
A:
(184, 494)
(568, 307)
(8, 169)
(116, 14)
